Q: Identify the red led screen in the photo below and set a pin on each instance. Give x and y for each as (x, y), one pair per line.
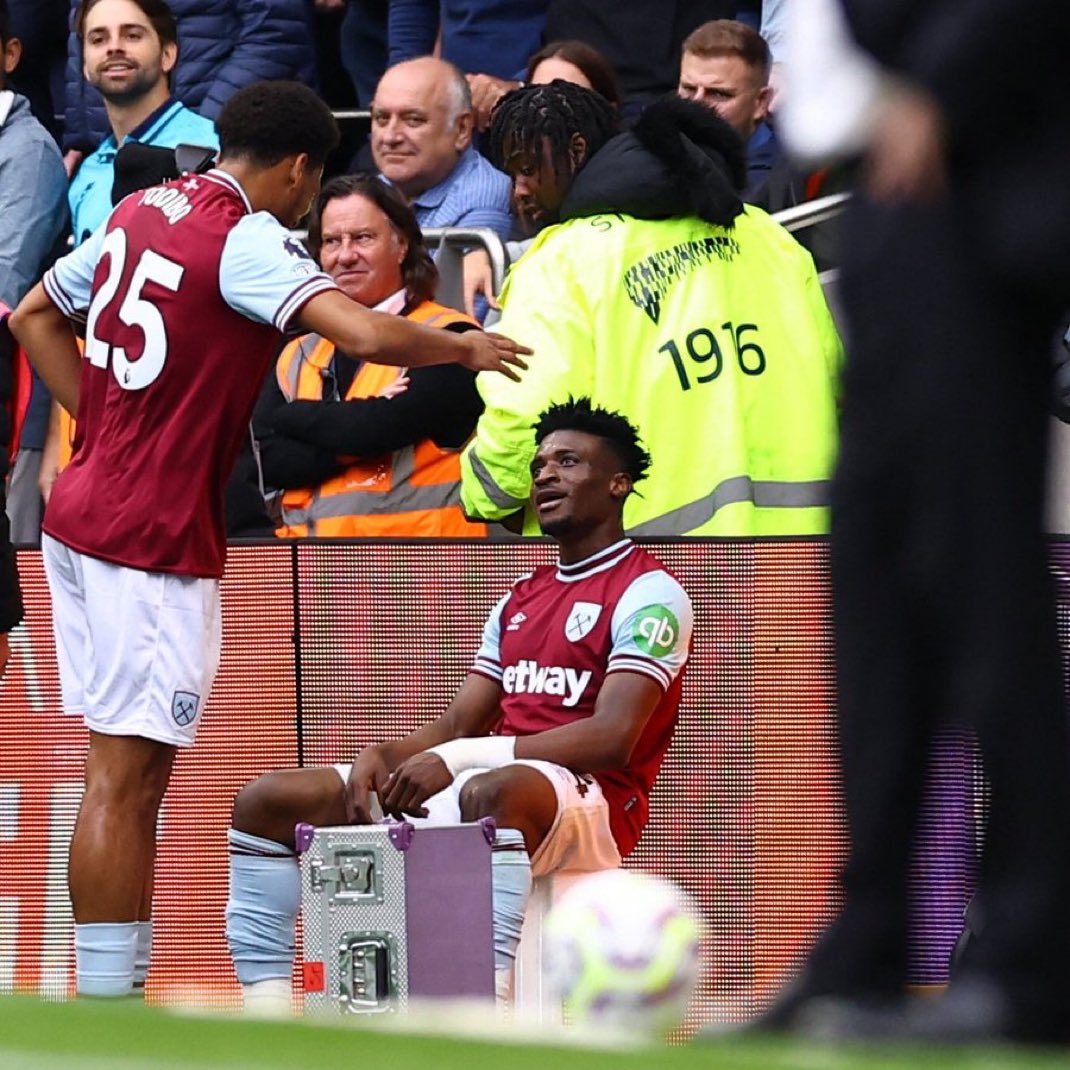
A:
(331, 646)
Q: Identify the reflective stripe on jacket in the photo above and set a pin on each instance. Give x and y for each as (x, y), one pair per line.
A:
(414, 491)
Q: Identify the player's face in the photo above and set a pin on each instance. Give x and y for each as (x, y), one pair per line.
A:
(729, 86)
(122, 53)
(416, 137)
(577, 484)
(539, 187)
(361, 250)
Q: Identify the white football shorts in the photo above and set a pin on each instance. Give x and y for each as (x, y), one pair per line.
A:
(137, 651)
(579, 838)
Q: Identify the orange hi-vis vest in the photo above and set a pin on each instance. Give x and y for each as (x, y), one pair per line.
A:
(412, 492)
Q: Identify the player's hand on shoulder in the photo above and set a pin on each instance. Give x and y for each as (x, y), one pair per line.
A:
(413, 783)
(490, 352)
(367, 778)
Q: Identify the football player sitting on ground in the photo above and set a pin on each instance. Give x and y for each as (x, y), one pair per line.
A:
(578, 678)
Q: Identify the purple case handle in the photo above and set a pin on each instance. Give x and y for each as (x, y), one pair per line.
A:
(303, 833)
(401, 834)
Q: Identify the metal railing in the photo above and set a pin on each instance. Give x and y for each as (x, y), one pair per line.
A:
(811, 213)
(450, 245)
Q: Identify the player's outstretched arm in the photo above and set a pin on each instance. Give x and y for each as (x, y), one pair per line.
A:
(46, 335)
(386, 339)
(473, 712)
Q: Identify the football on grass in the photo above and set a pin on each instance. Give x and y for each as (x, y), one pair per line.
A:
(621, 948)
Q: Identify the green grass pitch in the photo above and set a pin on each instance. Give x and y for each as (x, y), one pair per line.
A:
(126, 1036)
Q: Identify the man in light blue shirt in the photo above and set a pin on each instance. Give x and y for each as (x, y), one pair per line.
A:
(131, 64)
(422, 123)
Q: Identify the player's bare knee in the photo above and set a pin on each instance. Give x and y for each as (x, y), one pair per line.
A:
(257, 804)
(501, 794)
(482, 796)
(132, 779)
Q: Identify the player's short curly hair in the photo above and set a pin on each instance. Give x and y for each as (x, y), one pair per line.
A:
(268, 121)
(581, 414)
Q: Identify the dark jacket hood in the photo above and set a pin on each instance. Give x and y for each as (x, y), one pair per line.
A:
(679, 159)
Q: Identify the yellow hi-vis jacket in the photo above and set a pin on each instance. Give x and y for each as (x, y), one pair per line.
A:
(414, 491)
(716, 343)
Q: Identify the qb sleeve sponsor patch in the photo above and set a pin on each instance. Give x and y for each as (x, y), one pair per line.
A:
(652, 628)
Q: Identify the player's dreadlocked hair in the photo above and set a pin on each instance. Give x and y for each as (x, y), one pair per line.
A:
(527, 116)
(580, 414)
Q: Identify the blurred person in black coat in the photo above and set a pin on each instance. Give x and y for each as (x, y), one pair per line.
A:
(955, 271)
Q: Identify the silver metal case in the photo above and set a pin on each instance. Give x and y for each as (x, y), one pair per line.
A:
(394, 912)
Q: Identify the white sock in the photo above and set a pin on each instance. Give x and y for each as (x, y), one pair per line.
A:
(104, 954)
(511, 885)
(265, 895)
(271, 998)
(143, 954)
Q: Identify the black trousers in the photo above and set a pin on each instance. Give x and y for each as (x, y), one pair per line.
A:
(943, 605)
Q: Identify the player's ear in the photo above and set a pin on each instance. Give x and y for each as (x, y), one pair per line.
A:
(298, 168)
(620, 486)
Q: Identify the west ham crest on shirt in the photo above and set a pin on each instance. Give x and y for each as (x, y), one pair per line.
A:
(581, 620)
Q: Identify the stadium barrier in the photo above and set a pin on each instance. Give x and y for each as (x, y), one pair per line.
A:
(328, 646)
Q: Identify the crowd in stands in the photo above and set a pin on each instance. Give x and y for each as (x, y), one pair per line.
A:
(458, 136)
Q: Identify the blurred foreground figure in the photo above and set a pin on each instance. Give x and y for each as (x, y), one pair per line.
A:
(955, 271)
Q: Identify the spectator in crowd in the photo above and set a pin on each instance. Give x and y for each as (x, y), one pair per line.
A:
(363, 44)
(352, 456)
(724, 65)
(224, 45)
(33, 221)
(129, 50)
(41, 26)
(33, 187)
(422, 142)
(489, 40)
(576, 62)
(619, 302)
(569, 61)
(640, 38)
(566, 777)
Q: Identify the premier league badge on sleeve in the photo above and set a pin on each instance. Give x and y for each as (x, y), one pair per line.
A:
(581, 620)
(184, 708)
(302, 264)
